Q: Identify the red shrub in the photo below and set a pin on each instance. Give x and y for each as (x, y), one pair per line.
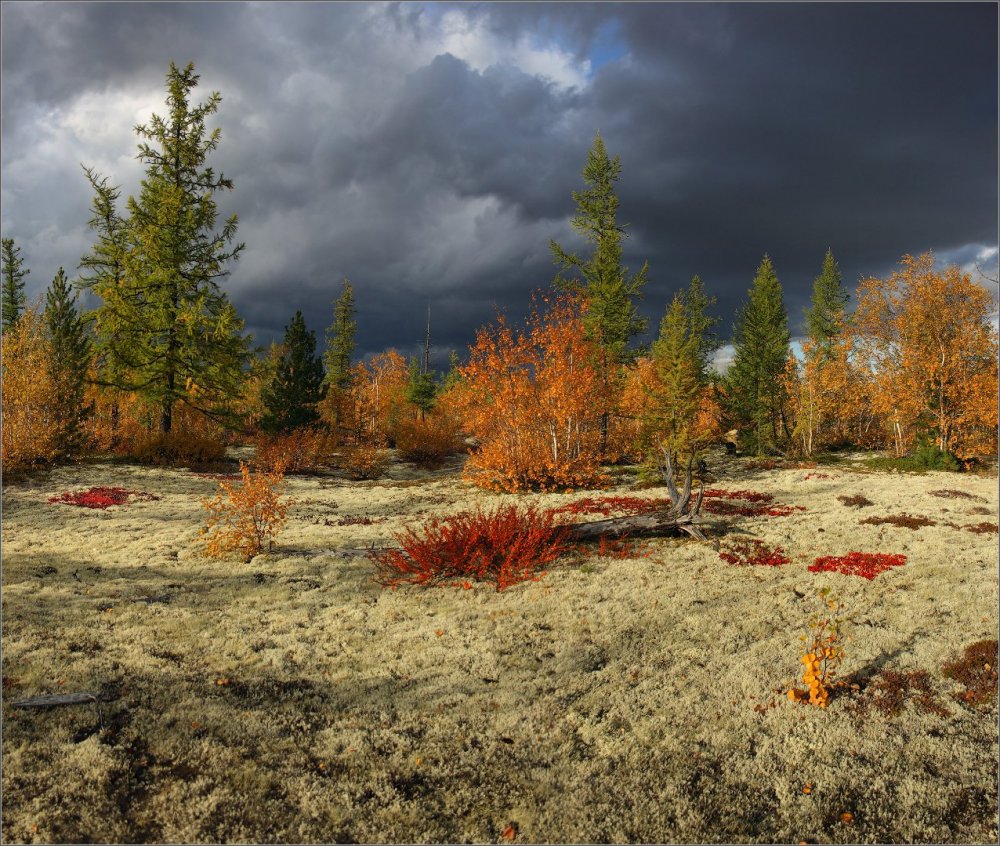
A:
(102, 497)
(904, 521)
(620, 549)
(761, 504)
(606, 505)
(504, 546)
(865, 564)
(750, 552)
(748, 496)
(809, 476)
(983, 528)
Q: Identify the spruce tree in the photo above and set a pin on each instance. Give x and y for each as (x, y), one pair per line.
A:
(12, 295)
(701, 325)
(825, 316)
(340, 342)
(676, 360)
(69, 346)
(165, 326)
(291, 398)
(753, 382)
(611, 317)
(421, 390)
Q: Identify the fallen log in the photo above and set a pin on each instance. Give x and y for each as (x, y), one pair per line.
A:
(681, 516)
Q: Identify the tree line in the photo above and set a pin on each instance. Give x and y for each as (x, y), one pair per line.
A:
(913, 366)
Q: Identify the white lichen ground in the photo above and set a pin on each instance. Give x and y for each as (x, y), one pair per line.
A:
(612, 701)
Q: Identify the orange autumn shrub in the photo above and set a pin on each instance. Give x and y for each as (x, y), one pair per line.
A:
(33, 430)
(823, 655)
(528, 397)
(428, 441)
(298, 451)
(244, 516)
(176, 448)
(363, 461)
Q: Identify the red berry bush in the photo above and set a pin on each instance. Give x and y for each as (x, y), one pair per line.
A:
(865, 564)
(505, 546)
(101, 498)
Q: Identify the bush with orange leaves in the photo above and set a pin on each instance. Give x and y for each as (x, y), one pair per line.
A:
(528, 397)
(298, 451)
(377, 398)
(244, 516)
(33, 429)
(505, 546)
(823, 654)
(429, 441)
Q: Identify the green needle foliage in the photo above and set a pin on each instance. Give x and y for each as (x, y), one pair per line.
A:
(340, 340)
(165, 328)
(701, 325)
(825, 316)
(422, 388)
(611, 317)
(12, 294)
(70, 348)
(753, 382)
(291, 398)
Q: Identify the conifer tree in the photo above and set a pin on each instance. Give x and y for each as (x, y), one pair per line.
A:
(12, 295)
(167, 329)
(340, 342)
(291, 398)
(677, 385)
(69, 347)
(754, 381)
(611, 318)
(701, 325)
(825, 316)
(421, 390)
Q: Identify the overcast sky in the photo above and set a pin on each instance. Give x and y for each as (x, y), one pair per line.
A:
(428, 152)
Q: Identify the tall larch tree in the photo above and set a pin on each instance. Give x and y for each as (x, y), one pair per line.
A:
(676, 383)
(340, 340)
(818, 388)
(70, 349)
(825, 315)
(754, 382)
(168, 330)
(609, 290)
(14, 271)
(290, 400)
(701, 325)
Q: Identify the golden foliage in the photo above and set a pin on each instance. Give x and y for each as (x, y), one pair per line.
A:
(823, 655)
(531, 400)
(427, 441)
(297, 451)
(925, 339)
(244, 517)
(363, 461)
(33, 426)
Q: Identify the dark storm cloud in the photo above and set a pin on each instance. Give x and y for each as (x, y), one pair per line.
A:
(428, 152)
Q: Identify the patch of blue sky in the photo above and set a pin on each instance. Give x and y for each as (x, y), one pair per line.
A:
(607, 46)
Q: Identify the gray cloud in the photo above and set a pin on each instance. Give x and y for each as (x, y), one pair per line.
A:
(428, 152)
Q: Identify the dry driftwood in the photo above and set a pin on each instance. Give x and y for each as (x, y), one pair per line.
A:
(55, 700)
(682, 516)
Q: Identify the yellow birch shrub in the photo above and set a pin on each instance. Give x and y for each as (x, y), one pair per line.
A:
(245, 516)
(33, 429)
(823, 655)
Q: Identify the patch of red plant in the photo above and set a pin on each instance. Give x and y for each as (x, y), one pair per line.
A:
(750, 552)
(101, 497)
(762, 464)
(809, 476)
(622, 548)
(950, 493)
(760, 504)
(505, 546)
(904, 521)
(606, 505)
(865, 564)
(983, 528)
